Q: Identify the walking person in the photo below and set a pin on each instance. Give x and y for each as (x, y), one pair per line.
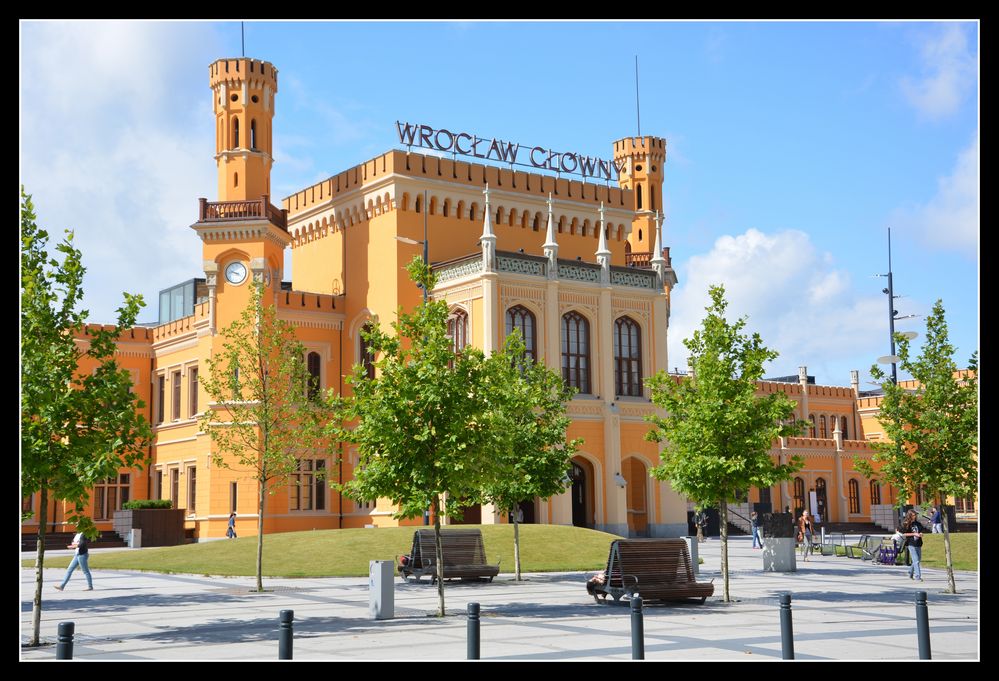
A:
(914, 531)
(937, 520)
(754, 526)
(231, 531)
(81, 544)
(701, 523)
(805, 534)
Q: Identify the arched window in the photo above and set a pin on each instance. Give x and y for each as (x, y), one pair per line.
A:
(312, 363)
(253, 134)
(854, 487)
(628, 357)
(537, 222)
(364, 352)
(765, 496)
(822, 427)
(842, 427)
(652, 197)
(811, 428)
(235, 133)
(820, 498)
(520, 318)
(235, 179)
(799, 495)
(457, 330)
(576, 351)
(875, 492)
(638, 189)
(447, 207)
(419, 204)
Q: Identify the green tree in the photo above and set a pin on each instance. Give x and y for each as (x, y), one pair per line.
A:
(932, 429)
(76, 428)
(531, 456)
(422, 424)
(260, 419)
(717, 430)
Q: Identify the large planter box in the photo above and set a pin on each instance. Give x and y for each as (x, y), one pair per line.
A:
(160, 526)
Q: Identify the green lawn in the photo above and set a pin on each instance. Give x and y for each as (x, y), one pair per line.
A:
(963, 546)
(345, 553)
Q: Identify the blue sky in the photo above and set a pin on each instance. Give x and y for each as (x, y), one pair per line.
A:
(791, 148)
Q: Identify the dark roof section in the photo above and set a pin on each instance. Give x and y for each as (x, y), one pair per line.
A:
(789, 379)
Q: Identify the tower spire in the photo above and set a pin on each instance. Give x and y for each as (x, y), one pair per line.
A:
(550, 246)
(488, 239)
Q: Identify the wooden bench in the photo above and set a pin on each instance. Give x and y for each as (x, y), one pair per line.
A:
(655, 569)
(464, 556)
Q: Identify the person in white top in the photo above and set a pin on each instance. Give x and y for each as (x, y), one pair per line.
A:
(81, 544)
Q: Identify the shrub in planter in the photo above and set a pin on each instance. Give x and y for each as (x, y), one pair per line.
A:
(147, 503)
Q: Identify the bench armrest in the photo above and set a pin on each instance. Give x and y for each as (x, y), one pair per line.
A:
(626, 578)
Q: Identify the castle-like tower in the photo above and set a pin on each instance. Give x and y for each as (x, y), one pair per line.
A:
(641, 160)
(243, 100)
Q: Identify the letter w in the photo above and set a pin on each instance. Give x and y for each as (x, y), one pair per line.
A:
(509, 155)
(407, 135)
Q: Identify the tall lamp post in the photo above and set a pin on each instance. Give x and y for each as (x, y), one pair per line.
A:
(425, 242)
(890, 292)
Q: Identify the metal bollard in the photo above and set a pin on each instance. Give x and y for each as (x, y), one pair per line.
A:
(637, 630)
(922, 625)
(64, 644)
(285, 633)
(786, 631)
(473, 631)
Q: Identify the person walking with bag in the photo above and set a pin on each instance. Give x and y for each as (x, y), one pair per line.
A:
(81, 544)
(914, 531)
(754, 527)
(231, 530)
(805, 534)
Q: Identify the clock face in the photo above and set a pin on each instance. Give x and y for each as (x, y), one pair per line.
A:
(235, 273)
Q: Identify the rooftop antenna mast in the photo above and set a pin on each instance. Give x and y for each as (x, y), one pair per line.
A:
(638, 110)
(242, 38)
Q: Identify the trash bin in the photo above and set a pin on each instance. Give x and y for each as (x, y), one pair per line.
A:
(381, 594)
(692, 550)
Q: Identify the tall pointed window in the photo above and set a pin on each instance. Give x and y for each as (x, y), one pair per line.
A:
(253, 134)
(799, 495)
(875, 492)
(846, 434)
(313, 365)
(576, 351)
(522, 319)
(366, 356)
(457, 330)
(822, 427)
(628, 357)
(854, 488)
(235, 133)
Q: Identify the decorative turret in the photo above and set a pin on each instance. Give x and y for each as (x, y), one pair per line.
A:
(488, 239)
(550, 246)
(641, 160)
(243, 101)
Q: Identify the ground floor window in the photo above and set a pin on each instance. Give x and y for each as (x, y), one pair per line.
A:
(854, 488)
(964, 505)
(109, 495)
(192, 492)
(308, 486)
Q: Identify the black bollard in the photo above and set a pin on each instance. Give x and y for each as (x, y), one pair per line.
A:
(285, 633)
(637, 630)
(922, 625)
(786, 631)
(64, 644)
(473, 631)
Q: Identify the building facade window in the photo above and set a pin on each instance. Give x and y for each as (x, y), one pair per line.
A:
(822, 427)
(765, 496)
(811, 427)
(964, 505)
(175, 487)
(253, 134)
(28, 504)
(313, 366)
(193, 390)
(842, 427)
(576, 351)
(457, 330)
(232, 497)
(821, 501)
(109, 495)
(628, 357)
(520, 318)
(875, 492)
(308, 486)
(158, 483)
(854, 493)
(235, 133)
(799, 495)
(175, 403)
(192, 489)
(365, 353)
(160, 398)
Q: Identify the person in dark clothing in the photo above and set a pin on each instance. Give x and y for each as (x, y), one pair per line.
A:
(914, 532)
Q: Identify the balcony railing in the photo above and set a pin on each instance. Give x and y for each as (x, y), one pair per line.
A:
(644, 260)
(225, 211)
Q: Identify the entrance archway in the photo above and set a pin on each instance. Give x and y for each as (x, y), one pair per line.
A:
(582, 492)
(636, 476)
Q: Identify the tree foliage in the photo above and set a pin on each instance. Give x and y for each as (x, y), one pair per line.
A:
(717, 432)
(932, 428)
(76, 428)
(260, 419)
(531, 456)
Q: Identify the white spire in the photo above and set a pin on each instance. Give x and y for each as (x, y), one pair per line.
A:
(602, 251)
(550, 235)
(657, 250)
(488, 239)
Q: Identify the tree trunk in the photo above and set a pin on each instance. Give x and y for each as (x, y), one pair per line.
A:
(260, 535)
(440, 557)
(516, 543)
(36, 606)
(951, 584)
(723, 527)
(700, 532)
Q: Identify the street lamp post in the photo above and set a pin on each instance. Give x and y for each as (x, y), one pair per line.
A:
(425, 242)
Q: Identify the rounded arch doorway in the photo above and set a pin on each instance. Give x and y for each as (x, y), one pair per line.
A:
(582, 492)
(636, 477)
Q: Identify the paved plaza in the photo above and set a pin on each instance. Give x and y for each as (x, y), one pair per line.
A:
(843, 609)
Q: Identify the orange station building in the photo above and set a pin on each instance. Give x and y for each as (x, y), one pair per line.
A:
(579, 267)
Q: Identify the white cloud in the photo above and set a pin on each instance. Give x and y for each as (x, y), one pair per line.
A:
(797, 300)
(949, 73)
(116, 142)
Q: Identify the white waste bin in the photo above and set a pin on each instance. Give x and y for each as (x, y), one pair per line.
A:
(692, 549)
(135, 538)
(381, 589)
